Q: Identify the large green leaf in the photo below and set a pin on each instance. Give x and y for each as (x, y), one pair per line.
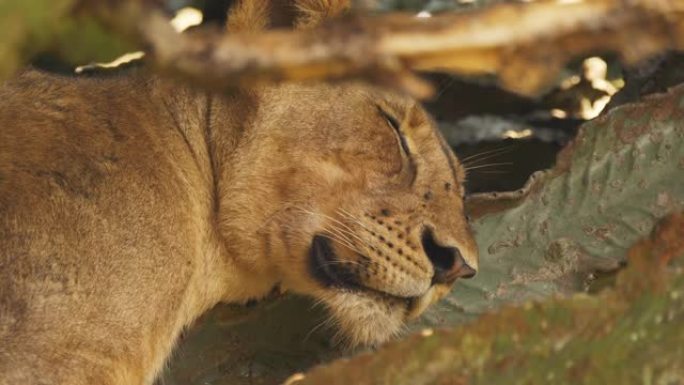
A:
(621, 174)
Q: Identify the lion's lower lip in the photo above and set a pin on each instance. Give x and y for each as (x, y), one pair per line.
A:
(419, 304)
(434, 294)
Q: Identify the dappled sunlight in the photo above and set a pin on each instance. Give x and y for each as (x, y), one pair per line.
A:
(596, 72)
(121, 60)
(512, 134)
(185, 18)
(584, 96)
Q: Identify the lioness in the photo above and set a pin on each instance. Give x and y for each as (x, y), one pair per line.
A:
(131, 205)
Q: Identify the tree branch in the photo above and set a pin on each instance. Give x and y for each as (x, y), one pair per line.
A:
(526, 45)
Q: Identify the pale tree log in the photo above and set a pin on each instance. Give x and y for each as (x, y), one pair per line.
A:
(525, 45)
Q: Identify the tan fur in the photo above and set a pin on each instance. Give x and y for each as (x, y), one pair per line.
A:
(131, 205)
(314, 12)
(252, 15)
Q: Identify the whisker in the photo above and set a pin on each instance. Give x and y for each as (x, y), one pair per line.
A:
(344, 262)
(341, 263)
(353, 218)
(345, 227)
(493, 172)
(444, 87)
(340, 233)
(349, 233)
(340, 239)
(319, 301)
(341, 340)
(496, 151)
(325, 322)
(475, 162)
(325, 216)
(489, 165)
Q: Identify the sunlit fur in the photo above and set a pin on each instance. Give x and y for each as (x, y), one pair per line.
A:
(254, 15)
(130, 205)
(313, 12)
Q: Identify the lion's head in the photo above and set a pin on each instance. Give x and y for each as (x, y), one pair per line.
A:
(349, 194)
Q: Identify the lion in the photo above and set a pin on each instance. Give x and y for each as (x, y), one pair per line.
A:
(132, 204)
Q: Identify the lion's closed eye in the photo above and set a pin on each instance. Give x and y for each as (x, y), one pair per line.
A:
(408, 166)
(393, 122)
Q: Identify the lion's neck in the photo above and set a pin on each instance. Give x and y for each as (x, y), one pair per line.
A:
(234, 143)
(214, 130)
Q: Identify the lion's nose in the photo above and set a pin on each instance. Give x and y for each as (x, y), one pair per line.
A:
(447, 262)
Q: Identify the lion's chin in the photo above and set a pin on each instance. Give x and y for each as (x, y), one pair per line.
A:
(366, 319)
(370, 319)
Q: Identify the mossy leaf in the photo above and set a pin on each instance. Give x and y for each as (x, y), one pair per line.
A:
(622, 173)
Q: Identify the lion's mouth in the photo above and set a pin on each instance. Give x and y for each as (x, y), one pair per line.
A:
(330, 271)
(327, 268)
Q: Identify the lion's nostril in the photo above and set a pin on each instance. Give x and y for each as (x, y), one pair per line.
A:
(442, 258)
(447, 262)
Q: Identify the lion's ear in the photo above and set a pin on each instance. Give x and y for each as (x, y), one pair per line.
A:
(257, 15)
(312, 13)
(249, 15)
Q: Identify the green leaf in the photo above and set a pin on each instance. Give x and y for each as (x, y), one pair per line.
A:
(622, 173)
